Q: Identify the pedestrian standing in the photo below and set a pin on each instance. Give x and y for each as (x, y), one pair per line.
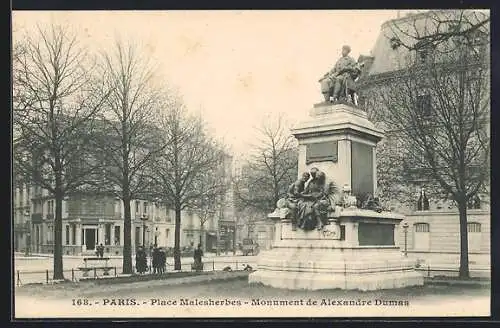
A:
(101, 250)
(156, 260)
(138, 260)
(163, 260)
(198, 254)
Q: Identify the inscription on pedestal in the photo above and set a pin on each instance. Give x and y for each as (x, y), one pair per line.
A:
(373, 234)
(322, 152)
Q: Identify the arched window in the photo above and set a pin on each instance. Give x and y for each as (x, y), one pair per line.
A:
(474, 236)
(421, 237)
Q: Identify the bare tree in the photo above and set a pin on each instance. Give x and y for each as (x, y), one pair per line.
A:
(56, 100)
(190, 154)
(213, 187)
(129, 139)
(271, 168)
(440, 106)
(437, 27)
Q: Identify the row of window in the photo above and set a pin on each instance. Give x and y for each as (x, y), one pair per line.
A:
(422, 240)
(425, 227)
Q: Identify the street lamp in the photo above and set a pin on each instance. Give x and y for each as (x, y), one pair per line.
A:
(28, 234)
(144, 218)
(405, 228)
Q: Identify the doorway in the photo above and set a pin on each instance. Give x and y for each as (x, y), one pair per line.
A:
(90, 239)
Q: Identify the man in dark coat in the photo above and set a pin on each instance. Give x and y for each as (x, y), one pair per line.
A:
(163, 260)
(198, 254)
(139, 263)
(156, 260)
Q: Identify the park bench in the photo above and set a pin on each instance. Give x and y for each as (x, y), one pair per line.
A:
(87, 268)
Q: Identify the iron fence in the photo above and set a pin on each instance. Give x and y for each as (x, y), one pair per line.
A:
(436, 271)
(75, 274)
(209, 265)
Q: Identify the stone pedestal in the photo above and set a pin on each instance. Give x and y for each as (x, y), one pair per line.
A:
(355, 251)
(340, 141)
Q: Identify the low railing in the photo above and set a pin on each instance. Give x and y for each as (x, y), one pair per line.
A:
(435, 271)
(46, 276)
(74, 274)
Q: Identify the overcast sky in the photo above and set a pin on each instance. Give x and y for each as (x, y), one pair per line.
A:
(236, 66)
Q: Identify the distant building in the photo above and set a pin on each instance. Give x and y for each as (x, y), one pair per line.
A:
(93, 219)
(21, 217)
(89, 220)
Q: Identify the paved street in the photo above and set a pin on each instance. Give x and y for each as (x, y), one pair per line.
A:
(33, 269)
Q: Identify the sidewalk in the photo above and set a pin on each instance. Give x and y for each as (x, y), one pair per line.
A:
(21, 255)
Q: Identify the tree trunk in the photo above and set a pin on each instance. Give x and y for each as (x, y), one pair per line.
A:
(217, 247)
(464, 247)
(127, 237)
(177, 237)
(58, 253)
(202, 237)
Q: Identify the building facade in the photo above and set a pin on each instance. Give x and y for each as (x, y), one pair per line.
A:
(433, 237)
(90, 220)
(21, 218)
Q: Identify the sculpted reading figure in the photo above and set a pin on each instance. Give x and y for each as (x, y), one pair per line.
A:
(308, 200)
(313, 203)
(295, 191)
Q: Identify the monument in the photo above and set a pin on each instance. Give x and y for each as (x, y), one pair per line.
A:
(331, 232)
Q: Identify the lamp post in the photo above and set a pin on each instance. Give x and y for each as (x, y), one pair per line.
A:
(144, 218)
(28, 234)
(405, 228)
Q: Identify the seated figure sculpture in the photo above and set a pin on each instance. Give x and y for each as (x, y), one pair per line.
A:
(293, 196)
(308, 201)
(313, 203)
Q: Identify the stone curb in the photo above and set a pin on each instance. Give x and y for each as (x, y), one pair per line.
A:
(456, 282)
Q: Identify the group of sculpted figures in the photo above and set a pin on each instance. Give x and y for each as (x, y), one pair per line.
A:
(310, 199)
(338, 85)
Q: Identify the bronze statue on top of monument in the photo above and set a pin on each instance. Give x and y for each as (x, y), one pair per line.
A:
(339, 84)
